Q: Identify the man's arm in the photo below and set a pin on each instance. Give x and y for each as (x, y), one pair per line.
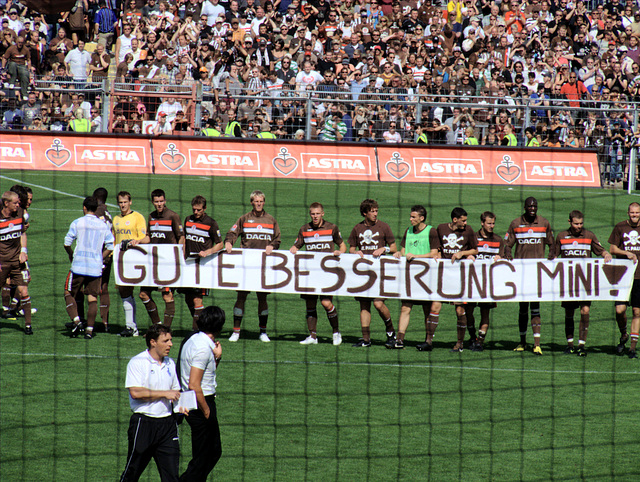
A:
(147, 395)
(621, 252)
(195, 384)
(23, 248)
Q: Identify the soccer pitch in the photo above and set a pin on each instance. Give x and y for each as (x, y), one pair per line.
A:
(292, 412)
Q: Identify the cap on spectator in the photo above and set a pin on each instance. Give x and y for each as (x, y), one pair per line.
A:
(345, 61)
(180, 112)
(37, 118)
(263, 41)
(457, 49)
(475, 18)
(162, 114)
(220, 18)
(204, 69)
(248, 40)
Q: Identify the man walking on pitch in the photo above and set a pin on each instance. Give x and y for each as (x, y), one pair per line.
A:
(94, 243)
(418, 241)
(577, 242)
(320, 236)
(375, 238)
(624, 241)
(530, 234)
(257, 230)
(202, 239)
(164, 228)
(455, 241)
(153, 387)
(490, 245)
(129, 229)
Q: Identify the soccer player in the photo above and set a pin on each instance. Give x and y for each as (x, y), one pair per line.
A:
(129, 229)
(202, 239)
(257, 230)
(577, 242)
(320, 236)
(625, 243)
(530, 234)
(375, 238)
(490, 245)
(13, 253)
(164, 228)
(455, 240)
(102, 212)
(94, 242)
(418, 241)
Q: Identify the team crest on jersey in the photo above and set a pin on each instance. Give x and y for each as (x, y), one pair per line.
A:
(284, 162)
(508, 170)
(632, 238)
(368, 237)
(172, 158)
(397, 167)
(452, 241)
(57, 154)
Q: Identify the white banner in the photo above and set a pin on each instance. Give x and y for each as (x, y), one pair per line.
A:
(385, 277)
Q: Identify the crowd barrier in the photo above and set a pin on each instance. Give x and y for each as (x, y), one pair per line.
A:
(306, 160)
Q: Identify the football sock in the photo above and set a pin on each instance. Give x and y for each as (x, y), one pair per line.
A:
(129, 306)
(92, 312)
(332, 315)
(461, 327)
(72, 307)
(263, 317)
(152, 310)
(583, 329)
(169, 313)
(26, 307)
(312, 321)
(569, 327)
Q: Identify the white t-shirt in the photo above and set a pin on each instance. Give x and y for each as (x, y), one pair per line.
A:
(78, 61)
(143, 371)
(170, 109)
(312, 78)
(198, 352)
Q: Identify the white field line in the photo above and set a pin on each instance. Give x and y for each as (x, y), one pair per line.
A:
(354, 364)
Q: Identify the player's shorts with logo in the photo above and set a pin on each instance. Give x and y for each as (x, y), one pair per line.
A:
(17, 272)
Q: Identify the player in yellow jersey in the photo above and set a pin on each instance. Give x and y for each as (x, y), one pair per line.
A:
(129, 229)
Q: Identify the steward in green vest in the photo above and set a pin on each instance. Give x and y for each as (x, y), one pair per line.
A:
(532, 141)
(422, 135)
(212, 129)
(470, 137)
(80, 125)
(509, 138)
(265, 132)
(233, 128)
(416, 243)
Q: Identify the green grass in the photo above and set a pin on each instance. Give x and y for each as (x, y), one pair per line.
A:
(289, 412)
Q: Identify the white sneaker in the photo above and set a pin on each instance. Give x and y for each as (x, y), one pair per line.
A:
(337, 338)
(309, 341)
(264, 338)
(235, 336)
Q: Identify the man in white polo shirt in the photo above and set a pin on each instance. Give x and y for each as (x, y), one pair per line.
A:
(153, 386)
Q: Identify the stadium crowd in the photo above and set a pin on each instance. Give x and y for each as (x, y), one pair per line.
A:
(496, 56)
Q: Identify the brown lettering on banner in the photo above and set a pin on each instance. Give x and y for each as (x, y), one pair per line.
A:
(336, 270)
(383, 263)
(197, 271)
(418, 277)
(480, 284)
(299, 273)
(557, 272)
(133, 281)
(370, 274)
(221, 266)
(596, 276)
(586, 281)
(156, 274)
(281, 266)
(493, 282)
(461, 271)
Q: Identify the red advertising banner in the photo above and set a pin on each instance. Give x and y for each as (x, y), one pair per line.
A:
(255, 158)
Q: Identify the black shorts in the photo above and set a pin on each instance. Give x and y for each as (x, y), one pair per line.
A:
(196, 292)
(106, 271)
(161, 289)
(417, 302)
(634, 298)
(574, 305)
(483, 304)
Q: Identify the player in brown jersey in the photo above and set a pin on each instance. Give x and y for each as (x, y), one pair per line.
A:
(164, 227)
(375, 238)
(577, 242)
(320, 236)
(530, 234)
(13, 253)
(625, 243)
(418, 241)
(490, 245)
(257, 230)
(201, 239)
(455, 241)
